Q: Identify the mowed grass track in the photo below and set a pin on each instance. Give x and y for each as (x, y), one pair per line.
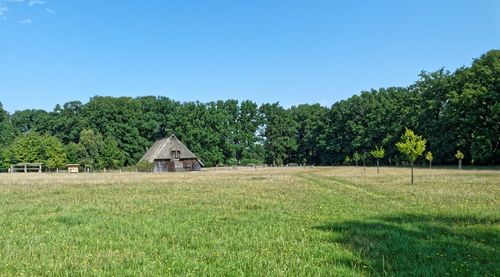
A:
(339, 221)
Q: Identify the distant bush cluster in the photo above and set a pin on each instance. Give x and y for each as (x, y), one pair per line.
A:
(452, 111)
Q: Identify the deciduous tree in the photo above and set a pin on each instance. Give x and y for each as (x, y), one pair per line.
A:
(378, 153)
(279, 133)
(460, 156)
(428, 157)
(35, 148)
(356, 157)
(411, 146)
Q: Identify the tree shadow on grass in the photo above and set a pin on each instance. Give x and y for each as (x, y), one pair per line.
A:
(423, 245)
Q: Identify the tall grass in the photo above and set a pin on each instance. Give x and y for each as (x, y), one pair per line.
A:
(296, 221)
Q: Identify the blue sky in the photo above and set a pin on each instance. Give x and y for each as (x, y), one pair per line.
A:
(54, 51)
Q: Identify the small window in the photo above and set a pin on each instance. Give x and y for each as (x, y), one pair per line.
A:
(176, 155)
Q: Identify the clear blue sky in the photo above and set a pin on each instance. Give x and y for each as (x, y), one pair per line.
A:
(54, 51)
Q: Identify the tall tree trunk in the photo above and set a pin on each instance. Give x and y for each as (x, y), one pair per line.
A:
(364, 167)
(459, 164)
(412, 172)
(377, 167)
(430, 164)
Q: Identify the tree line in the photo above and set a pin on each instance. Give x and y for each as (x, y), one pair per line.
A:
(453, 111)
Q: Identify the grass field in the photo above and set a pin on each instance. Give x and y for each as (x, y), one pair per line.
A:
(339, 221)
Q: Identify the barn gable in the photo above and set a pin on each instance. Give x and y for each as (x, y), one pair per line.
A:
(171, 153)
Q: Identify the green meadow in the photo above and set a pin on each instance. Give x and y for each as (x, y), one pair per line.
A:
(331, 221)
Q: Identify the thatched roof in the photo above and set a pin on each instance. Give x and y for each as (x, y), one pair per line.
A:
(162, 150)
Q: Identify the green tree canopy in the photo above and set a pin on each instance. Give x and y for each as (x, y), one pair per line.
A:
(279, 132)
(459, 109)
(378, 152)
(35, 148)
(428, 156)
(459, 155)
(7, 131)
(411, 145)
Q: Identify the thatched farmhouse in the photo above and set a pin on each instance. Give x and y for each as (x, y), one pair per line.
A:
(170, 154)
